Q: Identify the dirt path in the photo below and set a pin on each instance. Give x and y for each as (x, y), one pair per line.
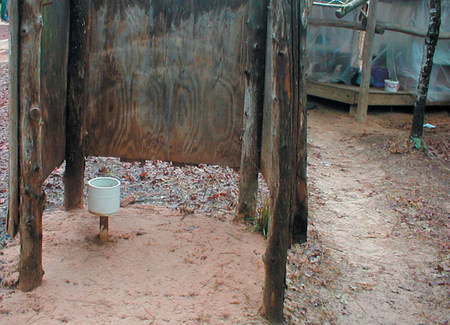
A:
(366, 263)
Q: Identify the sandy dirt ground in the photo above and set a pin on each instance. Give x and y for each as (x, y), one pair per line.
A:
(378, 248)
(161, 267)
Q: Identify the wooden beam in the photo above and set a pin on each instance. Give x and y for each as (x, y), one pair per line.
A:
(342, 24)
(14, 163)
(278, 152)
(77, 101)
(299, 222)
(33, 198)
(253, 108)
(363, 97)
(383, 25)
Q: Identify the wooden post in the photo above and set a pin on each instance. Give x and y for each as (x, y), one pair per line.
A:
(75, 155)
(363, 97)
(104, 227)
(253, 108)
(32, 195)
(14, 163)
(299, 222)
(278, 152)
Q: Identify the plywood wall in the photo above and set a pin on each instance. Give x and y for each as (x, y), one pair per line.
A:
(165, 79)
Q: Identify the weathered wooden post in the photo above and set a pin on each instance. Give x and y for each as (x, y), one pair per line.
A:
(75, 155)
(363, 95)
(32, 201)
(299, 222)
(37, 115)
(253, 107)
(279, 147)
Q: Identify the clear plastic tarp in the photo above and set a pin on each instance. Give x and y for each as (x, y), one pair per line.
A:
(334, 53)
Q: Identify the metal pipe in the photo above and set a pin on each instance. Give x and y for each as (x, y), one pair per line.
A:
(348, 7)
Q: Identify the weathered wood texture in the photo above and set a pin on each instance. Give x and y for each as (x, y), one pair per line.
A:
(54, 59)
(13, 199)
(32, 196)
(299, 222)
(76, 103)
(253, 108)
(377, 96)
(166, 80)
(278, 150)
(363, 96)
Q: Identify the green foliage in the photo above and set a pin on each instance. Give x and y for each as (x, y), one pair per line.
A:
(261, 221)
(418, 143)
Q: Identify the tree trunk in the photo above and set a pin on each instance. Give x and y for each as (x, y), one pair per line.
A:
(425, 71)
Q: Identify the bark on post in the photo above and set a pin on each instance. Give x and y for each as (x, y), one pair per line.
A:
(363, 96)
(253, 107)
(32, 195)
(278, 152)
(425, 72)
(75, 156)
(299, 222)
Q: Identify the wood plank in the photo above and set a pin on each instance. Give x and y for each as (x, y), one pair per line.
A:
(32, 197)
(14, 162)
(166, 80)
(54, 59)
(377, 96)
(332, 91)
(385, 98)
(278, 152)
(253, 108)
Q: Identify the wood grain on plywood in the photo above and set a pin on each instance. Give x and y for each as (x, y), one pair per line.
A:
(166, 80)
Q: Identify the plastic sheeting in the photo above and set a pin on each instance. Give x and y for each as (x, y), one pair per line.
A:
(334, 53)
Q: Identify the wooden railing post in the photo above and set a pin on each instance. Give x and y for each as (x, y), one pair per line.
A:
(363, 96)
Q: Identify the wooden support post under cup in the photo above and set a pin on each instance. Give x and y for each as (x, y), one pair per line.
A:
(104, 220)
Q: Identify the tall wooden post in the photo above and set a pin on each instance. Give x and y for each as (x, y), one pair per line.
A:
(299, 222)
(253, 107)
(75, 156)
(278, 151)
(32, 195)
(363, 96)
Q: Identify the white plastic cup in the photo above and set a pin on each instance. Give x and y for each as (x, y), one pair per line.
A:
(391, 86)
(103, 196)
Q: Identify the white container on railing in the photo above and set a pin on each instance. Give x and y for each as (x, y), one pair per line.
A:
(391, 86)
(104, 196)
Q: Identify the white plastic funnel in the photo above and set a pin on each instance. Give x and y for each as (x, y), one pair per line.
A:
(103, 196)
